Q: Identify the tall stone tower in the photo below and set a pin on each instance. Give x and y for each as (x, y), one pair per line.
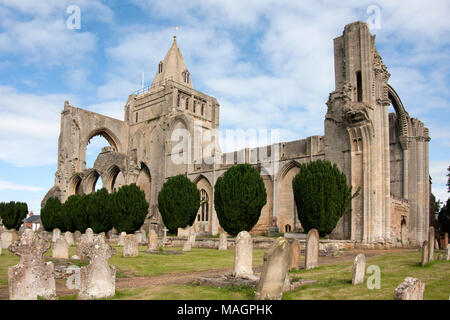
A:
(360, 137)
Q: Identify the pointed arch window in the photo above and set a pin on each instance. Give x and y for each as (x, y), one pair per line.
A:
(203, 215)
(187, 103)
(186, 77)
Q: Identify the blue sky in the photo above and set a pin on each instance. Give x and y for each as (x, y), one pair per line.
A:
(268, 62)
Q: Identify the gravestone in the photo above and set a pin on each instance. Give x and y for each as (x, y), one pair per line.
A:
(130, 246)
(68, 236)
(274, 272)
(425, 253)
(98, 279)
(60, 249)
(243, 256)
(410, 289)
(431, 244)
(187, 245)
(312, 249)
(153, 241)
(89, 234)
(140, 236)
(56, 234)
(32, 277)
(223, 241)
(359, 269)
(192, 237)
(111, 233)
(184, 232)
(122, 238)
(6, 239)
(295, 254)
(77, 236)
(436, 244)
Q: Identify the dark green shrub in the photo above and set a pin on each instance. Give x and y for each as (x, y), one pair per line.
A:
(444, 218)
(74, 213)
(178, 202)
(52, 214)
(13, 213)
(239, 196)
(322, 196)
(99, 211)
(129, 208)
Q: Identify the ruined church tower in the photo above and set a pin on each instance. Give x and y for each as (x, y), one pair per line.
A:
(372, 147)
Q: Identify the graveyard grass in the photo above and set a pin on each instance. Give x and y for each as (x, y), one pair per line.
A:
(333, 280)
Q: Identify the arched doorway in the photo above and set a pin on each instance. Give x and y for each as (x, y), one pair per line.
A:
(286, 205)
(114, 179)
(203, 220)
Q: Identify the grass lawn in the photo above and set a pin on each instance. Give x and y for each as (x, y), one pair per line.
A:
(334, 280)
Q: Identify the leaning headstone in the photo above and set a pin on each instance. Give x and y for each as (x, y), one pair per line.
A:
(295, 255)
(223, 241)
(98, 279)
(445, 241)
(6, 239)
(312, 249)
(68, 236)
(122, 238)
(243, 256)
(359, 269)
(56, 234)
(410, 289)
(425, 253)
(275, 269)
(60, 249)
(32, 277)
(77, 236)
(130, 246)
(431, 244)
(153, 241)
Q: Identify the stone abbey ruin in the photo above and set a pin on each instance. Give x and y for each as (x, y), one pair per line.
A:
(386, 154)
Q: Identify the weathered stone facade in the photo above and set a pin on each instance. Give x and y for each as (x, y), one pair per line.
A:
(386, 154)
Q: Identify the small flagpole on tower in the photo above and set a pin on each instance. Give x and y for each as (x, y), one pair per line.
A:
(175, 33)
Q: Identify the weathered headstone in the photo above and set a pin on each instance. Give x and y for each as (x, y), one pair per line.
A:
(77, 236)
(275, 269)
(243, 255)
(410, 289)
(111, 233)
(98, 279)
(130, 246)
(359, 269)
(122, 238)
(223, 241)
(431, 244)
(425, 253)
(140, 236)
(56, 234)
(68, 236)
(295, 254)
(32, 277)
(436, 244)
(187, 245)
(192, 237)
(153, 241)
(89, 234)
(6, 239)
(60, 249)
(312, 249)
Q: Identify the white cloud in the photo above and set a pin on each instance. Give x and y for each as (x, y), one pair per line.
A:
(7, 185)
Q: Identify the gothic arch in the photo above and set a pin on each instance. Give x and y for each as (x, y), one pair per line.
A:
(287, 214)
(402, 115)
(75, 185)
(91, 177)
(144, 180)
(203, 220)
(108, 135)
(113, 178)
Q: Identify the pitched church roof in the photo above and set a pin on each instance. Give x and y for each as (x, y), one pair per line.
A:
(173, 68)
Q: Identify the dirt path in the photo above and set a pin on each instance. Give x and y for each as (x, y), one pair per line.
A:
(189, 277)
